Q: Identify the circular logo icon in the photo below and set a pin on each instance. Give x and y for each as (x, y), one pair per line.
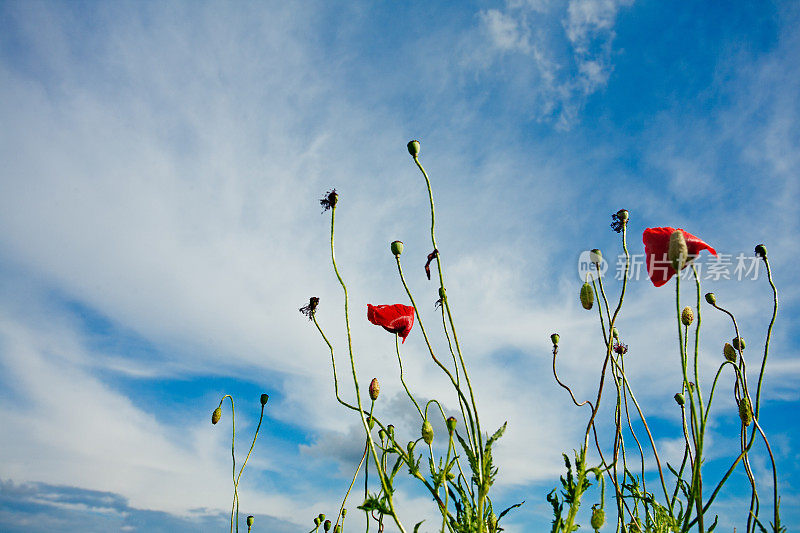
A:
(588, 262)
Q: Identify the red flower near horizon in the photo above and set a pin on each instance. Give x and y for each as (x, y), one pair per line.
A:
(656, 247)
(397, 318)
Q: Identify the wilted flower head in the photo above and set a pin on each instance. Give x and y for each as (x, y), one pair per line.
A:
(619, 219)
(311, 308)
(657, 246)
(397, 318)
(329, 200)
(620, 349)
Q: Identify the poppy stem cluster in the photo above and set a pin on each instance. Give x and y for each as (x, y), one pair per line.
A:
(462, 496)
(687, 505)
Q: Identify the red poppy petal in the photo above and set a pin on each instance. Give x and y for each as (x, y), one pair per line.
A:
(397, 318)
(656, 248)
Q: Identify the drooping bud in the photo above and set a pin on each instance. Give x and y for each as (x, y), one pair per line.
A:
(382, 434)
(317, 521)
(687, 316)
(729, 352)
(264, 399)
(374, 389)
(427, 432)
(678, 252)
(370, 422)
(413, 148)
(745, 411)
(738, 343)
(598, 517)
(711, 298)
(390, 431)
(679, 399)
(326, 525)
(397, 247)
(451, 424)
(250, 521)
(761, 251)
(587, 296)
(216, 415)
(555, 338)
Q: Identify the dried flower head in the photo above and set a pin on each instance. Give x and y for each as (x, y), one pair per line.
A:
(620, 349)
(619, 219)
(329, 200)
(311, 308)
(434, 253)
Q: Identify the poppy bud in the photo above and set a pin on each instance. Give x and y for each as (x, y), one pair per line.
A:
(622, 214)
(687, 316)
(216, 415)
(374, 389)
(397, 247)
(382, 434)
(679, 399)
(390, 431)
(596, 256)
(555, 338)
(317, 521)
(761, 251)
(370, 422)
(598, 517)
(321, 517)
(264, 399)
(678, 251)
(250, 520)
(344, 511)
(413, 148)
(615, 333)
(451, 424)
(442, 293)
(738, 343)
(729, 352)
(427, 432)
(587, 296)
(711, 298)
(745, 411)
(327, 525)
(337, 529)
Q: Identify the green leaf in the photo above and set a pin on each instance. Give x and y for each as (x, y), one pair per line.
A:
(416, 527)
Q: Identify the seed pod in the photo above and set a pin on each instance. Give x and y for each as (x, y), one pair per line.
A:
(738, 343)
(761, 251)
(745, 411)
(596, 255)
(413, 148)
(711, 298)
(598, 517)
(622, 214)
(327, 525)
(390, 431)
(427, 432)
(397, 247)
(382, 434)
(687, 316)
(264, 399)
(216, 415)
(344, 511)
(615, 333)
(587, 296)
(374, 389)
(729, 352)
(679, 399)
(678, 252)
(317, 521)
(555, 338)
(451, 424)
(250, 520)
(321, 517)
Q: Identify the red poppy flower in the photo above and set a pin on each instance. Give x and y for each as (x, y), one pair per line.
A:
(656, 246)
(397, 318)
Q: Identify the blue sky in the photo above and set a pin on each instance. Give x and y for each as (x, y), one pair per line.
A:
(160, 226)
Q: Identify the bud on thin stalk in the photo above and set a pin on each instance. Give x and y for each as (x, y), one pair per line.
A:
(687, 316)
(374, 389)
(587, 296)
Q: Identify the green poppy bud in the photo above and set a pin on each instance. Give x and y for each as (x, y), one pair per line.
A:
(321, 517)
(729, 352)
(337, 529)
(390, 431)
(344, 509)
(382, 434)
(250, 521)
(711, 298)
(738, 343)
(596, 256)
(587, 296)
(687, 316)
(264, 399)
(374, 389)
(317, 521)
(622, 214)
(678, 252)
(370, 422)
(442, 293)
(555, 338)
(679, 399)
(413, 148)
(216, 415)
(761, 251)
(615, 333)
(745, 411)
(397, 247)
(427, 432)
(598, 517)
(451, 424)
(327, 525)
